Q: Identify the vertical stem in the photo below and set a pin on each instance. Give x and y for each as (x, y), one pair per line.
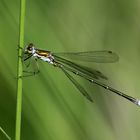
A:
(19, 82)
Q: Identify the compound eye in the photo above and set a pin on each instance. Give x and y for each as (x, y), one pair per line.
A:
(30, 47)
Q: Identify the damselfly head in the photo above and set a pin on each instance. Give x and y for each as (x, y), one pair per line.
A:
(30, 48)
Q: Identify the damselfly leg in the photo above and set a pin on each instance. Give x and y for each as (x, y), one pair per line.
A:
(30, 65)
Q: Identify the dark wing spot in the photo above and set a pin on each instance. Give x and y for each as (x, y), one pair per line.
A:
(110, 52)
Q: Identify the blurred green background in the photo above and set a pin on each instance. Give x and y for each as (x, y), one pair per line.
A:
(52, 107)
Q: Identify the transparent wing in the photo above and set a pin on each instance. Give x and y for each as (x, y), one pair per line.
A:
(129, 98)
(77, 85)
(85, 70)
(91, 56)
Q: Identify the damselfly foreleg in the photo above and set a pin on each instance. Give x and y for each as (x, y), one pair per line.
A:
(34, 68)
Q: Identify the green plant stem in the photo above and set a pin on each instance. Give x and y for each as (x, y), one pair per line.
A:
(6, 135)
(20, 71)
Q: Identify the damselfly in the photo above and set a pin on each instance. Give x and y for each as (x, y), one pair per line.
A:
(67, 66)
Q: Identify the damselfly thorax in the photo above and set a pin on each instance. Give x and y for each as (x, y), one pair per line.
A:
(39, 54)
(68, 67)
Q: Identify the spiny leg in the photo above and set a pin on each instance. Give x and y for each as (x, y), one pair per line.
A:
(32, 73)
